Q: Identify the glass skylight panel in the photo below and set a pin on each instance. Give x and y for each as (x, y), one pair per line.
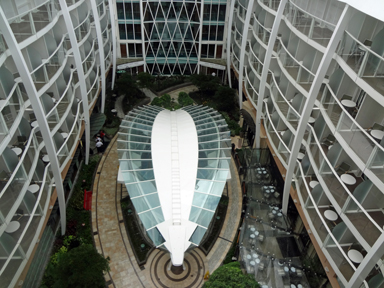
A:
(201, 216)
(141, 188)
(156, 236)
(197, 235)
(206, 201)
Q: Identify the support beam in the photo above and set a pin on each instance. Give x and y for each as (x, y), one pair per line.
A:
(230, 12)
(264, 73)
(100, 43)
(38, 110)
(80, 73)
(112, 16)
(242, 50)
(312, 95)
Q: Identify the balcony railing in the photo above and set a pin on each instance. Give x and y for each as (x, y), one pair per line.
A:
(313, 27)
(363, 60)
(32, 21)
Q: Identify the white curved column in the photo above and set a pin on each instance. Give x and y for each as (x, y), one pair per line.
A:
(230, 12)
(264, 73)
(101, 51)
(312, 95)
(242, 50)
(365, 267)
(142, 34)
(113, 32)
(80, 73)
(38, 110)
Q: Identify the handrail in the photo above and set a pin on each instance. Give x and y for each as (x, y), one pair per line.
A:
(18, 244)
(90, 51)
(73, 127)
(353, 120)
(21, 160)
(62, 96)
(85, 19)
(6, 100)
(323, 222)
(257, 20)
(286, 50)
(339, 179)
(29, 11)
(365, 47)
(50, 56)
(311, 15)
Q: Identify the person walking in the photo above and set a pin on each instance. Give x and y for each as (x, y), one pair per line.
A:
(102, 135)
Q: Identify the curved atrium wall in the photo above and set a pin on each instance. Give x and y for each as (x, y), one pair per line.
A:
(49, 76)
(175, 165)
(338, 182)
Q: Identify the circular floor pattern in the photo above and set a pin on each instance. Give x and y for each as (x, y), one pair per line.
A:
(162, 275)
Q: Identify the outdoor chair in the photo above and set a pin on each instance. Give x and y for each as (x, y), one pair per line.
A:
(276, 194)
(261, 238)
(329, 140)
(343, 168)
(261, 266)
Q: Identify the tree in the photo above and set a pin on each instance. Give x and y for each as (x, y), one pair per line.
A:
(184, 99)
(207, 84)
(146, 80)
(126, 84)
(80, 267)
(225, 98)
(231, 276)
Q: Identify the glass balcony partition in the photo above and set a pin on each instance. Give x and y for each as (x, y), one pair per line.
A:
(362, 58)
(313, 27)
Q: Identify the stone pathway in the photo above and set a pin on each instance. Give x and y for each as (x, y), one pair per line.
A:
(119, 106)
(111, 237)
(148, 93)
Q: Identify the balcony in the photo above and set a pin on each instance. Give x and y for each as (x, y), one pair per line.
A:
(366, 59)
(311, 26)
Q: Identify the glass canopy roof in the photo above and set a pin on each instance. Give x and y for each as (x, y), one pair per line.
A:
(175, 165)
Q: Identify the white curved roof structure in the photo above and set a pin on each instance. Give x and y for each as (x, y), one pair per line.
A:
(175, 165)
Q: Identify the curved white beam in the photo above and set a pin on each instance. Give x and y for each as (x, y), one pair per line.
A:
(264, 73)
(113, 31)
(230, 12)
(101, 51)
(312, 95)
(80, 73)
(142, 34)
(242, 50)
(38, 110)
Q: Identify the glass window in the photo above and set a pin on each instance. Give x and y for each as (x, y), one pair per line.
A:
(200, 216)
(197, 235)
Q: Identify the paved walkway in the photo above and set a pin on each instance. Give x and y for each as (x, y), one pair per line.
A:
(111, 238)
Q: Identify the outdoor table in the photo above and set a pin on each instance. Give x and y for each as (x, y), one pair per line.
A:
(257, 260)
(330, 215)
(34, 124)
(355, 256)
(348, 179)
(254, 255)
(299, 286)
(276, 208)
(279, 214)
(348, 103)
(257, 233)
(252, 236)
(13, 226)
(274, 211)
(249, 257)
(311, 120)
(293, 269)
(65, 135)
(252, 229)
(378, 134)
(33, 188)
(313, 184)
(267, 191)
(286, 269)
(264, 172)
(293, 286)
(45, 158)
(17, 150)
(300, 156)
(252, 263)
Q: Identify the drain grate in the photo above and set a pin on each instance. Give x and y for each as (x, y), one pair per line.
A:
(142, 268)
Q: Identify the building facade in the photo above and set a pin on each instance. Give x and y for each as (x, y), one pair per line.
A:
(312, 76)
(54, 57)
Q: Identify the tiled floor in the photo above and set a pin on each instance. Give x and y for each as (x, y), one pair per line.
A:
(111, 238)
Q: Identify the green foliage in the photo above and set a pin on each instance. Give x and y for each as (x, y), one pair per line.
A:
(82, 266)
(164, 82)
(184, 99)
(145, 80)
(225, 97)
(126, 83)
(164, 101)
(233, 126)
(230, 276)
(207, 84)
